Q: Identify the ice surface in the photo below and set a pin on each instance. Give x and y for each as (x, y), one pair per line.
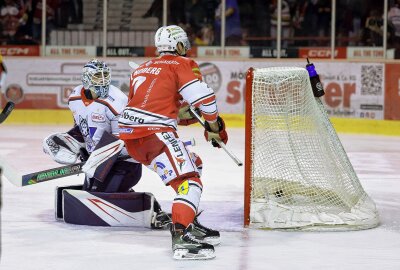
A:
(33, 239)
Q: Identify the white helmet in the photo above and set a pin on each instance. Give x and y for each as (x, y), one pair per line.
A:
(96, 77)
(172, 38)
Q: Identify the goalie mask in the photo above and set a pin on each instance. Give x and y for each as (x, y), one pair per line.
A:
(173, 39)
(96, 77)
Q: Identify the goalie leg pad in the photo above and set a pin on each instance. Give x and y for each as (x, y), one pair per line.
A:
(130, 209)
(58, 200)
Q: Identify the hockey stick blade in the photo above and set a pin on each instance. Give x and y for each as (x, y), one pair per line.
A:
(64, 171)
(222, 144)
(10, 172)
(6, 111)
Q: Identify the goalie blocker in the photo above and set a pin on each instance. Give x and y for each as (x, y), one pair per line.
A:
(122, 209)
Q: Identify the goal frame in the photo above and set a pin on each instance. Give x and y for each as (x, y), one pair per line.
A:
(248, 145)
(351, 209)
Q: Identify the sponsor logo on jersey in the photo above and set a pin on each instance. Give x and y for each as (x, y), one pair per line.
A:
(132, 118)
(181, 162)
(159, 165)
(164, 172)
(126, 130)
(96, 117)
(174, 144)
(183, 188)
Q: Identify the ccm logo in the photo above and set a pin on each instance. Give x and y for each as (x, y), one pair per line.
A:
(15, 51)
(96, 117)
(321, 53)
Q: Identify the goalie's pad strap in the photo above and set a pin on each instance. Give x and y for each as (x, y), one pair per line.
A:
(132, 209)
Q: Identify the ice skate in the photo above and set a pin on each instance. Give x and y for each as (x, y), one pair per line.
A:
(186, 247)
(161, 220)
(204, 234)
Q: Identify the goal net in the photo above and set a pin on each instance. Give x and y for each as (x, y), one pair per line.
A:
(298, 175)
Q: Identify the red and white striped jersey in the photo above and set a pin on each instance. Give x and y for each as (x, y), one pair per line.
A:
(157, 88)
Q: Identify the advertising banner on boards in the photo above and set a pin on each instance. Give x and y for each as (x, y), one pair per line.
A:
(20, 50)
(89, 51)
(352, 89)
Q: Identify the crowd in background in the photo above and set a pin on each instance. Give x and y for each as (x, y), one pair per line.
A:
(248, 22)
(21, 20)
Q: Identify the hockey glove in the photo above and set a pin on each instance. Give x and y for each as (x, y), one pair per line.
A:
(185, 116)
(62, 147)
(216, 132)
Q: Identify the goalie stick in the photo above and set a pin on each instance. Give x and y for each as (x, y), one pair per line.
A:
(6, 111)
(222, 144)
(59, 172)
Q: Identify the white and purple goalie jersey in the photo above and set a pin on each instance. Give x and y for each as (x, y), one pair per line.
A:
(95, 116)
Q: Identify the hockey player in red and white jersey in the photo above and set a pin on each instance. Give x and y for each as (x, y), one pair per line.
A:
(148, 125)
(96, 106)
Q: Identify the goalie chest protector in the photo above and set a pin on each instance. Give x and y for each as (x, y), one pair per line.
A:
(127, 209)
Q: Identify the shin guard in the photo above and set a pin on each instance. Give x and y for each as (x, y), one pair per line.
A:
(186, 201)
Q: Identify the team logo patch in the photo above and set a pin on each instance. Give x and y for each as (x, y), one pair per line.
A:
(99, 118)
(183, 188)
(87, 132)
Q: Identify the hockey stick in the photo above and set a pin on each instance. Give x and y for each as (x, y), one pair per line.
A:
(46, 175)
(220, 143)
(59, 172)
(133, 65)
(6, 111)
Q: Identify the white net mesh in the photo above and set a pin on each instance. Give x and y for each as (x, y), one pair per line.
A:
(301, 176)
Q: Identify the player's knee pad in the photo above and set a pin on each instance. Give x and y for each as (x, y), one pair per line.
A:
(125, 209)
(187, 199)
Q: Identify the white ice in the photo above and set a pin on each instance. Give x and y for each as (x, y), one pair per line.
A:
(33, 239)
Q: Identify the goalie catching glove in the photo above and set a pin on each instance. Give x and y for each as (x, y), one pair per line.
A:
(216, 132)
(62, 147)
